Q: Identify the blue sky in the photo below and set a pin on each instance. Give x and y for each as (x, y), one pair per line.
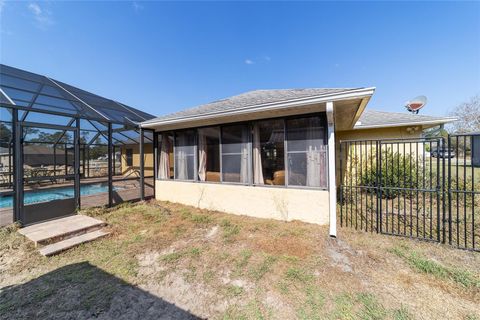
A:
(162, 56)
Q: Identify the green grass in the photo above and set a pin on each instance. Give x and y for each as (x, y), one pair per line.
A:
(260, 270)
(300, 275)
(172, 257)
(242, 262)
(344, 305)
(463, 170)
(208, 276)
(311, 308)
(199, 219)
(365, 306)
(230, 230)
(424, 265)
(253, 310)
(235, 255)
(371, 308)
(234, 291)
(402, 314)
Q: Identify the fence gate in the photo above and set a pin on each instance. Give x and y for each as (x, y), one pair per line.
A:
(420, 188)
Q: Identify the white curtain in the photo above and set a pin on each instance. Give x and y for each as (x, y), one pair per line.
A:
(202, 155)
(164, 163)
(244, 157)
(181, 165)
(257, 157)
(313, 157)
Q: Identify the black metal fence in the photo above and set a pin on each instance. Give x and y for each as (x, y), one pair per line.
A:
(424, 188)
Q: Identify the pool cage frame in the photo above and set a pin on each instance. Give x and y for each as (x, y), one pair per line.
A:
(113, 133)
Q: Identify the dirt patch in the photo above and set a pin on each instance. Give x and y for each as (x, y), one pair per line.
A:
(338, 252)
(284, 245)
(177, 262)
(212, 232)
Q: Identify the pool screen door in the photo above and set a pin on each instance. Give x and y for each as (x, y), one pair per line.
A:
(50, 171)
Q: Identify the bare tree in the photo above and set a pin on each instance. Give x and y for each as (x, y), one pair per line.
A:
(468, 114)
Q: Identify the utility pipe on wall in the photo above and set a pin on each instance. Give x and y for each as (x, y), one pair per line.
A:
(332, 189)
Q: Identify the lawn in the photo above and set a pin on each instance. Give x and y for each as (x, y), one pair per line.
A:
(164, 259)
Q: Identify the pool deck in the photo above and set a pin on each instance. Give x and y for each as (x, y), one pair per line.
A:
(131, 193)
(70, 183)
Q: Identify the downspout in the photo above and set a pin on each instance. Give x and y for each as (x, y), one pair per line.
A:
(332, 189)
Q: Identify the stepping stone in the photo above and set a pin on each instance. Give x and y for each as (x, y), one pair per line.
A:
(59, 229)
(60, 246)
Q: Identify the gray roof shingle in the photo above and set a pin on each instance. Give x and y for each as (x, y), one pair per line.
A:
(373, 118)
(251, 98)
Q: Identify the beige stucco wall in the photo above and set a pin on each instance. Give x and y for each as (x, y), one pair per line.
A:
(262, 202)
(376, 134)
(134, 171)
(379, 133)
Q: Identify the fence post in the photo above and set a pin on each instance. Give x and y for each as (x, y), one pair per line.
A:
(142, 166)
(438, 187)
(341, 183)
(110, 163)
(444, 222)
(379, 188)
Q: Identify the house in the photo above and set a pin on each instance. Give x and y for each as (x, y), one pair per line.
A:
(265, 153)
(130, 160)
(269, 153)
(475, 148)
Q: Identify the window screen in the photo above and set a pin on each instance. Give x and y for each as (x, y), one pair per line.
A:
(185, 155)
(129, 157)
(236, 153)
(307, 152)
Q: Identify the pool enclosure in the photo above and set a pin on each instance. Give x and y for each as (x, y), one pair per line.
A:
(63, 148)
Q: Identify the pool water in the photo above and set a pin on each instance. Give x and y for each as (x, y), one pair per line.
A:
(44, 195)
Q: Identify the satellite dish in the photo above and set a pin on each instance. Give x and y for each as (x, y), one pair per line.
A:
(416, 104)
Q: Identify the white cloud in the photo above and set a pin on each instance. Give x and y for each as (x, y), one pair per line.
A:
(137, 6)
(43, 17)
(248, 61)
(35, 9)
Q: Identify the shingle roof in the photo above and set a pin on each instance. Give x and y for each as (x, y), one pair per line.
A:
(251, 98)
(373, 118)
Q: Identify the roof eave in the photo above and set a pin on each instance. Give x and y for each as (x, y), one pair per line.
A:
(416, 123)
(346, 95)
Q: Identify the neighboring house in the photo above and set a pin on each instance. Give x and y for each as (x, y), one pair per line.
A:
(392, 128)
(391, 125)
(130, 160)
(475, 148)
(5, 158)
(38, 155)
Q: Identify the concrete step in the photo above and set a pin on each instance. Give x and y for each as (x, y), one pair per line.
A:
(60, 246)
(60, 229)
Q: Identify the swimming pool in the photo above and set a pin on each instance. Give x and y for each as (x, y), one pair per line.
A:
(44, 195)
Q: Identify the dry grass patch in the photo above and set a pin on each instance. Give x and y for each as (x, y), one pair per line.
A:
(223, 266)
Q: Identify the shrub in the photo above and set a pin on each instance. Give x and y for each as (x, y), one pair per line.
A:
(398, 171)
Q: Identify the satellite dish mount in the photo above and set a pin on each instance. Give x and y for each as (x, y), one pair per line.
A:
(416, 104)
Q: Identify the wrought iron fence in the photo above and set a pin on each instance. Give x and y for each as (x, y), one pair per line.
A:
(424, 188)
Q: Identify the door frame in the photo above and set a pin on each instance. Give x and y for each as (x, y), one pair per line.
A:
(21, 212)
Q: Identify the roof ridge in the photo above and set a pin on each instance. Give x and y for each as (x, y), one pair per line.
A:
(408, 114)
